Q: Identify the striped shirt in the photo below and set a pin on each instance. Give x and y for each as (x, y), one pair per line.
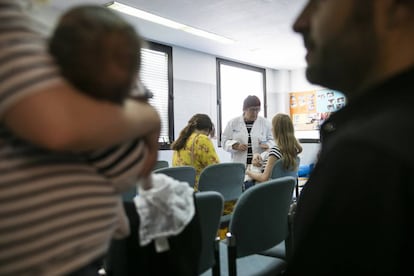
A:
(274, 151)
(57, 210)
(249, 125)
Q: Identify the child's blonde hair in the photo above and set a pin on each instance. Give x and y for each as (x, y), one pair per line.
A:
(284, 135)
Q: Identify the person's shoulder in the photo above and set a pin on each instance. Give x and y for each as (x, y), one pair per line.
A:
(275, 148)
(204, 138)
(234, 122)
(236, 119)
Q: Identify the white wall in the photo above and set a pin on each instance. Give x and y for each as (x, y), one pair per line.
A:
(299, 81)
(277, 86)
(194, 84)
(195, 91)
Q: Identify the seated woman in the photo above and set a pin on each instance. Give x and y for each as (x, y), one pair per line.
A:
(287, 147)
(193, 147)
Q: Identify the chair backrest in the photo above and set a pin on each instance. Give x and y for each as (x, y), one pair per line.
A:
(225, 178)
(260, 217)
(279, 170)
(209, 206)
(127, 257)
(181, 173)
(161, 164)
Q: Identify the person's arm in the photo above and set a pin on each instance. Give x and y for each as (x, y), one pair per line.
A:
(261, 177)
(228, 143)
(58, 117)
(124, 164)
(151, 142)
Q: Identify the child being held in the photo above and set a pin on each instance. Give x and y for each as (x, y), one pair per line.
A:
(99, 53)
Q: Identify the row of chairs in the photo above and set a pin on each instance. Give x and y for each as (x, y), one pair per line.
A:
(259, 222)
(227, 178)
(258, 230)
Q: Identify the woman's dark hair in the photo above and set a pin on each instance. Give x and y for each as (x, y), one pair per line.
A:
(197, 122)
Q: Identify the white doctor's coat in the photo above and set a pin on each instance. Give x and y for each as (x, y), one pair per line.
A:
(236, 132)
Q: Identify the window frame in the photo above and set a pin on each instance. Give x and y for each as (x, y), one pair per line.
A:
(151, 45)
(221, 61)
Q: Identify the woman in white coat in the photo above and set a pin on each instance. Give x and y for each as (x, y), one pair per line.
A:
(247, 134)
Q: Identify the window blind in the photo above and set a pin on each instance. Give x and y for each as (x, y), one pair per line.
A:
(154, 75)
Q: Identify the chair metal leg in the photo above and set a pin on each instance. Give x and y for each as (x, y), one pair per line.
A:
(216, 268)
(297, 188)
(289, 239)
(231, 255)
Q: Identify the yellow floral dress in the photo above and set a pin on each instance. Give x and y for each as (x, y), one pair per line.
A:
(204, 154)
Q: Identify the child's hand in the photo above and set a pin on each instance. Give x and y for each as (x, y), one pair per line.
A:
(257, 160)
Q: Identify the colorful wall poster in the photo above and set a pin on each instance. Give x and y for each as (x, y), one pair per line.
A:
(309, 109)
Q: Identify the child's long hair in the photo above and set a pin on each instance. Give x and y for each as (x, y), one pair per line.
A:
(197, 122)
(284, 135)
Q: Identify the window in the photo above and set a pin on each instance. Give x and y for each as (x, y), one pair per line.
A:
(235, 81)
(156, 75)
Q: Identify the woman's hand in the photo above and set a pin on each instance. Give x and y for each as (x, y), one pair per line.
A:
(239, 147)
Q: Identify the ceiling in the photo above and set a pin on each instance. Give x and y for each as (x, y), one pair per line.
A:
(261, 28)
